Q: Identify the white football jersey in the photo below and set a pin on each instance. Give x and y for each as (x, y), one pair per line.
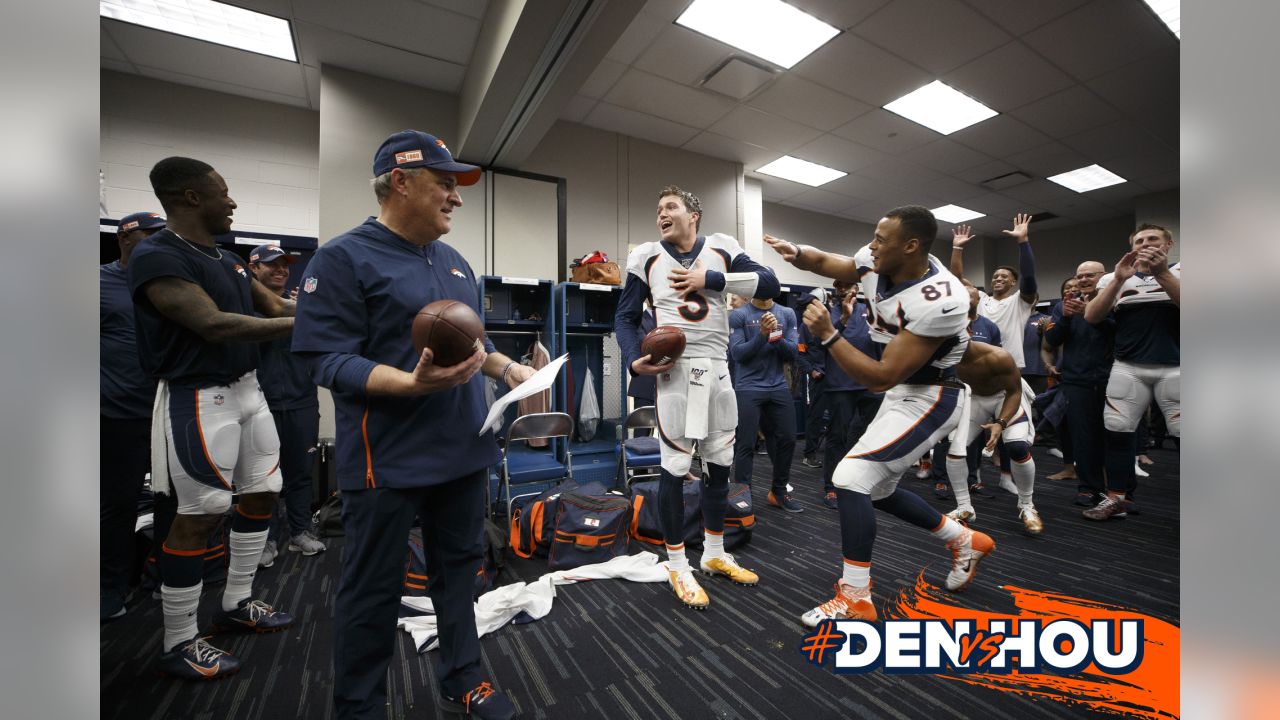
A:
(1010, 315)
(703, 316)
(1140, 288)
(936, 305)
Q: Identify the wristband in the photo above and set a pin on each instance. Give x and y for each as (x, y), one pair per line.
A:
(831, 340)
(955, 248)
(1003, 423)
(798, 250)
(507, 369)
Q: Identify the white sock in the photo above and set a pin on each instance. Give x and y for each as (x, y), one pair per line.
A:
(1024, 476)
(246, 550)
(856, 575)
(676, 560)
(712, 545)
(950, 531)
(180, 605)
(958, 474)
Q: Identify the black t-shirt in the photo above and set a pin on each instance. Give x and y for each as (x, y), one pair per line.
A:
(169, 350)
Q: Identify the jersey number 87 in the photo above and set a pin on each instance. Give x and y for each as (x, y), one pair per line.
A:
(931, 292)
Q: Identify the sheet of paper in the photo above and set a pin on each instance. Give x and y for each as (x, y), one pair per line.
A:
(541, 380)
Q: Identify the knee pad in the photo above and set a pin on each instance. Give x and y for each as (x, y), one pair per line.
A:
(1018, 451)
(677, 463)
(862, 476)
(717, 449)
(212, 502)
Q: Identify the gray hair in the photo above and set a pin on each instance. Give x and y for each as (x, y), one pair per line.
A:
(382, 183)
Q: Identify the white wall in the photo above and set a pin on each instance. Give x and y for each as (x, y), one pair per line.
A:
(269, 154)
(1163, 209)
(613, 180)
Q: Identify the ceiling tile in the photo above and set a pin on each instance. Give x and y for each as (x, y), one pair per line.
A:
(947, 156)
(577, 108)
(602, 79)
(873, 189)
(897, 171)
(1144, 167)
(1148, 91)
(298, 100)
(117, 65)
(664, 98)
(472, 8)
(985, 171)
(638, 35)
(1118, 196)
(886, 131)
(1100, 37)
(955, 191)
(1049, 195)
(751, 156)
(1020, 16)
(838, 153)
(400, 24)
(636, 124)
(1008, 77)
(738, 78)
(1000, 136)
(938, 35)
(323, 46)
(683, 55)
(312, 77)
(823, 200)
(842, 14)
(1082, 207)
(995, 205)
(763, 129)
(668, 10)
(1119, 138)
(774, 189)
(107, 46)
(795, 98)
(1048, 159)
(863, 71)
(1068, 112)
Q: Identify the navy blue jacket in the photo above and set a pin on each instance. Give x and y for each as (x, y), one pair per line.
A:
(1086, 349)
(127, 391)
(758, 362)
(359, 296)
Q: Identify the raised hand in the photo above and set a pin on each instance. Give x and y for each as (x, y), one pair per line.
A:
(1127, 266)
(1020, 224)
(1155, 258)
(961, 235)
(787, 249)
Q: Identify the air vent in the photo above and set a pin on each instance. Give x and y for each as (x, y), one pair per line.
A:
(1042, 216)
(738, 78)
(1008, 180)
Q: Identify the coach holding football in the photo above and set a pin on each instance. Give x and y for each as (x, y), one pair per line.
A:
(408, 439)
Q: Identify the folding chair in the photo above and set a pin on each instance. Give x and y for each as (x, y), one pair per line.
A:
(638, 456)
(522, 465)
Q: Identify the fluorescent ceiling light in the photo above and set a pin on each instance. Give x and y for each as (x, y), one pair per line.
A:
(940, 107)
(801, 171)
(956, 214)
(768, 29)
(1170, 13)
(1088, 178)
(210, 21)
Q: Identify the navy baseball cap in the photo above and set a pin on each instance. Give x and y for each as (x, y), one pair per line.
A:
(269, 253)
(140, 221)
(412, 148)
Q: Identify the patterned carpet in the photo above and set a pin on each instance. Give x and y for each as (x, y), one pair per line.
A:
(622, 650)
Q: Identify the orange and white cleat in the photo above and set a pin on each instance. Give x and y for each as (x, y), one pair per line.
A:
(850, 603)
(966, 553)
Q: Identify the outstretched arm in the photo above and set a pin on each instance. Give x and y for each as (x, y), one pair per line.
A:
(1026, 261)
(187, 304)
(807, 257)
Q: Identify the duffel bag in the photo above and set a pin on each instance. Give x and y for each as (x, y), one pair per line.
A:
(589, 529)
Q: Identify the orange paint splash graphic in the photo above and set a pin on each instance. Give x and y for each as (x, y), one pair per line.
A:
(1150, 691)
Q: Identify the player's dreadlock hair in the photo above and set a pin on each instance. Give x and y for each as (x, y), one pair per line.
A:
(173, 176)
(917, 222)
(691, 201)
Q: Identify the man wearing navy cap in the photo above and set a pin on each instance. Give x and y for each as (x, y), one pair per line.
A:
(291, 395)
(125, 435)
(408, 431)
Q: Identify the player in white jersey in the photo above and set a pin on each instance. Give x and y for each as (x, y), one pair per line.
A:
(686, 278)
(1145, 294)
(1013, 297)
(1000, 404)
(918, 310)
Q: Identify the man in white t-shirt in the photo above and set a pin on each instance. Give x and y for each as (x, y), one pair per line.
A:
(1013, 291)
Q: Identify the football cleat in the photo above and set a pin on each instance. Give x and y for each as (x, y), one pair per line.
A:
(196, 659)
(1030, 519)
(725, 565)
(850, 603)
(964, 514)
(252, 615)
(484, 702)
(686, 587)
(966, 553)
(924, 469)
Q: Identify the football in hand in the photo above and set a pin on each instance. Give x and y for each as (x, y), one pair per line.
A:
(663, 345)
(450, 328)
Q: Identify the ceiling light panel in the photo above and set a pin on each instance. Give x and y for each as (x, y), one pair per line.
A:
(768, 29)
(956, 214)
(801, 171)
(941, 108)
(1087, 178)
(210, 21)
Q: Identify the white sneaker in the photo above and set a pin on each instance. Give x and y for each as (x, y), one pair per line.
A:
(965, 555)
(1006, 483)
(306, 543)
(963, 514)
(1137, 470)
(269, 553)
(850, 603)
